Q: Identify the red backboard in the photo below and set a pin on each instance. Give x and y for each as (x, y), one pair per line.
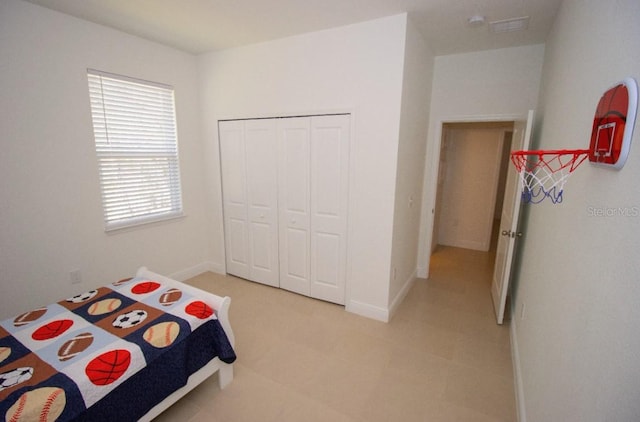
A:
(613, 125)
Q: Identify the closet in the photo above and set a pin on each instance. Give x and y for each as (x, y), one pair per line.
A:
(285, 193)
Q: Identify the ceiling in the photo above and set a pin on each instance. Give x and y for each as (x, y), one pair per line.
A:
(199, 26)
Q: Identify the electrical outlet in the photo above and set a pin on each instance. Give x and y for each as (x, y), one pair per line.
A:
(75, 277)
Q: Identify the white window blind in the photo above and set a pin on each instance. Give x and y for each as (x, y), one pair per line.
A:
(134, 127)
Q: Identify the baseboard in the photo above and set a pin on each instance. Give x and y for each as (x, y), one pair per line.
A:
(517, 372)
(203, 267)
(402, 294)
(469, 244)
(360, 308)
(367, 310)
(218, 268)
(422, 272)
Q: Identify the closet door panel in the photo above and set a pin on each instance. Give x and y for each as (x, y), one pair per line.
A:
(293, 203)
(261, 245)
(296, 258)
(327, 250)
(329, 196)
(237, 251)
(234, 195)
(262, 199)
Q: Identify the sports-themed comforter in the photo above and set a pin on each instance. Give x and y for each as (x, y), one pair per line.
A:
(107, 354)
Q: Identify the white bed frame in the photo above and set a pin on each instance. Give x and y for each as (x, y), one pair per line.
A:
(224, 370)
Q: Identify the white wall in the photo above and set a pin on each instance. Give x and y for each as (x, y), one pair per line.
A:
(50, 211)
(472, 156)
(494, 85)
(579, 348)
(356, 68)
(414, 121)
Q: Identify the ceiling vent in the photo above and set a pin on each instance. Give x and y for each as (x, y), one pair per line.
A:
(510, 25)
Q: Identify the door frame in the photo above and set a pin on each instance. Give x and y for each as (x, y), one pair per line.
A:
(430, 185)
(487, 206)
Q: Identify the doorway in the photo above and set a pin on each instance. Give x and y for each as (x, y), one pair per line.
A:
(473, 167)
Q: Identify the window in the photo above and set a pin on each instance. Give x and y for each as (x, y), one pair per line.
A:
(134, 127)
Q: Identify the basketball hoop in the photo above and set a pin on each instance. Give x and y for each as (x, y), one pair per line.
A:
(543, 173)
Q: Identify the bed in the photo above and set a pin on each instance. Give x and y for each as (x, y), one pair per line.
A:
(125, 351)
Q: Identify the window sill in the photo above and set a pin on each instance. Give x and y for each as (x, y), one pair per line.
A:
(142, 223)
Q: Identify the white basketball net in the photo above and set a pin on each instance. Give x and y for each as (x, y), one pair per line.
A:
(544, 173)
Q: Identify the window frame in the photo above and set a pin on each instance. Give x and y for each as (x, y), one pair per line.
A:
(136, 145)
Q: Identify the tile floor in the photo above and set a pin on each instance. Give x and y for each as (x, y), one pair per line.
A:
(441, 358)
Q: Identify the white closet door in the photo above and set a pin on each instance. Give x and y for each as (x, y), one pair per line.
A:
(234, 197)
(250, 188)
(293, 203)
(329, 196)
(285, 192)
(262, 195)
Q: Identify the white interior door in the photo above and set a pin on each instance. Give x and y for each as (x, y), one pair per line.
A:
(329, 196)
(234, 197)
(294, 140)
(509, 222)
